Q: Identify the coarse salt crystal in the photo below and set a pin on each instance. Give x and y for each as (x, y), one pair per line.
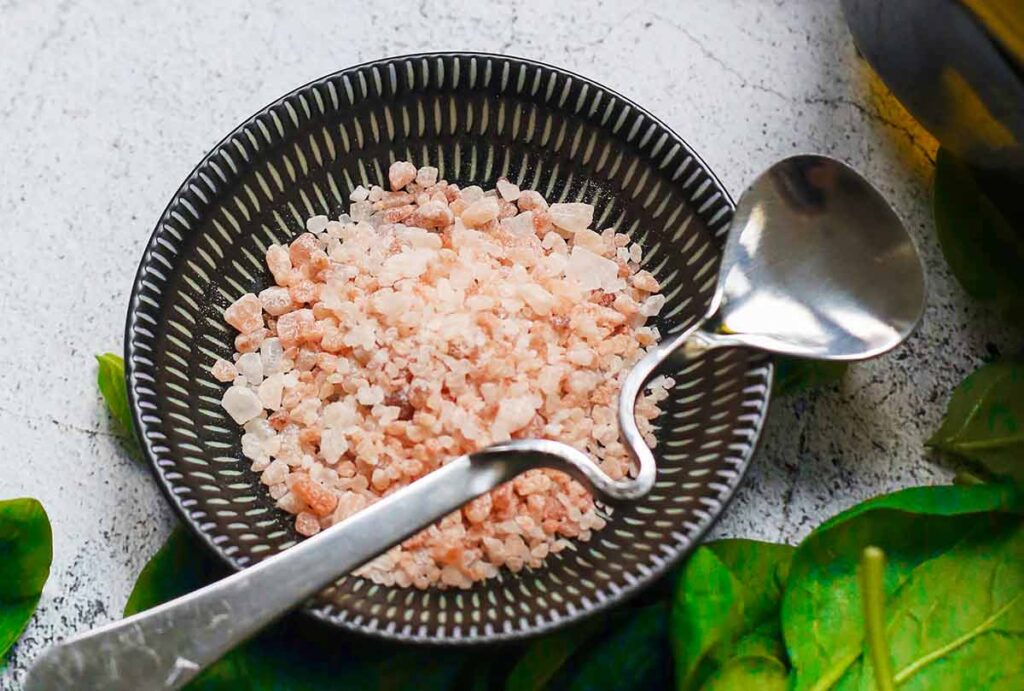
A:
(317, 224)
(241, 403)
(591, 271)
(652, 305)
(271, 391)
(572, 216)
(250, 366)
(370, 395)
(509, 191)
(426, 176)
(359, 194)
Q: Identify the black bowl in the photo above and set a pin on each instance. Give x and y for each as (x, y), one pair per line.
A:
(476, 117)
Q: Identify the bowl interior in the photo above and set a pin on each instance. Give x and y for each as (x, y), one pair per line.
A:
(477, 118)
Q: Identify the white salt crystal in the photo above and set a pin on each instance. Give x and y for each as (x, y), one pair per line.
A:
(376, 193)
(426, 176)
(317, 224)
(590, 270)
(361, 211)
(340, 414)
(572, 216)
(333, 445)
(520, 224)
(271, 352)
(652, 305)
(271, 390)
(241, 403)
(359, 194)
(539, 300)
(370, 395)
(361, 336)
(250, 366)
(252, 446)
(471, 194)
(635, 253)
(260, 428)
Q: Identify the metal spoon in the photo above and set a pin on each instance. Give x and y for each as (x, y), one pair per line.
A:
(816, 265)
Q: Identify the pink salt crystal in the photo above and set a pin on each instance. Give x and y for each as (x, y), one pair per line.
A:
(307, 524)
(245, 314)
(480, 212)
(280, 264)
(433, 214)
(223, 371)
(400, 174)
(531, 201)
(509, 191)
(290, 326)
(645, 281)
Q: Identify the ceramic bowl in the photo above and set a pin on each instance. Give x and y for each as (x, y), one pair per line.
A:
(476, 117)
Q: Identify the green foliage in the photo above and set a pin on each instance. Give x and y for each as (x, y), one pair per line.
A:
(984, 422)
(726, 606)
(980, 223)
(822, 610)
(26, 550)
(111, 382)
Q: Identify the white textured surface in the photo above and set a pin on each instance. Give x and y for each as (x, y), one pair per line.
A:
(106, 106)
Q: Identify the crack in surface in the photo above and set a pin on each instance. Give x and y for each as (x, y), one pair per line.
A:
(59, 424)
(833, 102)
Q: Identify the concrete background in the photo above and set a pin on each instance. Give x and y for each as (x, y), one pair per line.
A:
(106, 106)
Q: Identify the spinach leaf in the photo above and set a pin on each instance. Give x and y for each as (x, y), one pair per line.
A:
(980, 226)
(26, 550)
(727, 604)
(984, 422)
(793, 375)
(635, 655)
(294, 655)
(544, 657)
(747, 673)
(110, 379)
(822, 617)
(958, 620)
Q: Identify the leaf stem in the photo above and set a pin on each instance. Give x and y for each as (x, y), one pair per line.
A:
(872, 593)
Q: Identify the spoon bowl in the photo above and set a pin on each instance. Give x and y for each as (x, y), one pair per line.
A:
(817, 265)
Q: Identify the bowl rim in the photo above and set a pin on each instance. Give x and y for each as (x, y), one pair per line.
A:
(314, 614)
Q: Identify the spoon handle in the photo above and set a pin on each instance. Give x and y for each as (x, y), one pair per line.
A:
(165, 647)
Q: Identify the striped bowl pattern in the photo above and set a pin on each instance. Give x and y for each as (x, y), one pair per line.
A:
(476, 117)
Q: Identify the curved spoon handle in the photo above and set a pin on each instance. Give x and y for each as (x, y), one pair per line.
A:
(165, 647)
(691, 343)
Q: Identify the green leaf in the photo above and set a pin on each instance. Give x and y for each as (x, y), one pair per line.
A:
(981, 230)
(957, 622)
(111, 382)
(794, 375)
(292, 655)
(26, 550)
(984, 422)
(727, 604)
(634, 656)
(748, 673)
(544, 657)
(822, 611)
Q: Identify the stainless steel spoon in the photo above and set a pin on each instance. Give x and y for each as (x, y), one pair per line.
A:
(816, 265)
